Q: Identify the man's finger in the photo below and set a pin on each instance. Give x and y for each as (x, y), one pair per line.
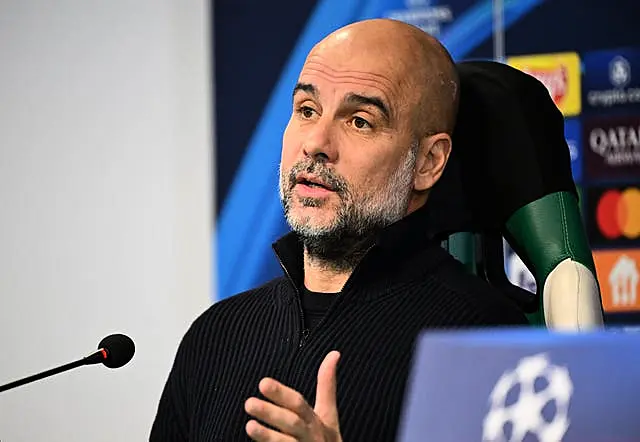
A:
(326, 407)
(260, 433)
(284, 420)
(287, 398)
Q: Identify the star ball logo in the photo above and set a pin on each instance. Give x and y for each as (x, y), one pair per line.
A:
(530, 402)
(616, 212)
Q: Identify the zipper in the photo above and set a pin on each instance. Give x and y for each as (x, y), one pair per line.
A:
(342, 293)
(305, 331)
(305, 335)
(288, 367)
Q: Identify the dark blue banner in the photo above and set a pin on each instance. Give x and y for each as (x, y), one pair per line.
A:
(260, 48)
(611, 81)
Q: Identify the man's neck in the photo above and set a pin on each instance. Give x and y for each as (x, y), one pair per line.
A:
(322, 277)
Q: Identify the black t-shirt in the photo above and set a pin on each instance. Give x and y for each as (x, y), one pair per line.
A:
(314, 306)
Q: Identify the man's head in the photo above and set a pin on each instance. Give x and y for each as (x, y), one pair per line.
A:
(369, 135)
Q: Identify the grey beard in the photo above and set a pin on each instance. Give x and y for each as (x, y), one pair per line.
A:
(342, 245)
(338, 247)
(342, 248)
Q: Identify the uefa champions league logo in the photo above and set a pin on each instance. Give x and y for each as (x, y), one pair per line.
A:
(619, 72)
(530, 401)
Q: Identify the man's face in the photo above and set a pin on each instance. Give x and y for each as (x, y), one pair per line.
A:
(348, 153)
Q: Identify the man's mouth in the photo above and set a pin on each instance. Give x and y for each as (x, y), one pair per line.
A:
(313, 182)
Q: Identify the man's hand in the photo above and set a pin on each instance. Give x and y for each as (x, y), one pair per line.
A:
(292, 415)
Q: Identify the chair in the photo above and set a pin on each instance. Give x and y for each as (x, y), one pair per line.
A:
(509, 175)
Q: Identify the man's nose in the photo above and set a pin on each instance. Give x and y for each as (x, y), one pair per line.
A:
(318, 143)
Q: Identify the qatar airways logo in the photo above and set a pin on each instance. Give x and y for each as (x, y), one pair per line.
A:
(617, 145)
(556, 80)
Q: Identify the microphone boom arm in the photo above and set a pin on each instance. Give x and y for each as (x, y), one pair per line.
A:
(44, 374)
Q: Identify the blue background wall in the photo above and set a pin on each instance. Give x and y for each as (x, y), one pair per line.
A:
(259, 49)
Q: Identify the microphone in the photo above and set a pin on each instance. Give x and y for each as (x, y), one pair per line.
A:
(114, 351)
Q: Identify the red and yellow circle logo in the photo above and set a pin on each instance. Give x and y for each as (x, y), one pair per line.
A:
(618, 213)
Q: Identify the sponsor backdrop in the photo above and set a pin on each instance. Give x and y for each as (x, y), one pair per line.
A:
(594, 78)
(598, 92)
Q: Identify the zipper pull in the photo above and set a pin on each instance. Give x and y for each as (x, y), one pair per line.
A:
(305, 335)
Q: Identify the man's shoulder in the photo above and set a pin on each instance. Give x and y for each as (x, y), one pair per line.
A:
(488, 304)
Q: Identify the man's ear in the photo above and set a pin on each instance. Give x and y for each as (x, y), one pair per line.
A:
(433, 155)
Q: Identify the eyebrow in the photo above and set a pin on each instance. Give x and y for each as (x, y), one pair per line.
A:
(370, 101)
(305, 87)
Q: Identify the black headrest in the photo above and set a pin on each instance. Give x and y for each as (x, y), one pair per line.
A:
(508, 150)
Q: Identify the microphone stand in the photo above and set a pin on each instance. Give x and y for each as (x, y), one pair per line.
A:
(94, 358)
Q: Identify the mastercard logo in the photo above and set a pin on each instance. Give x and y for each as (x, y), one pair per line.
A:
(618, 213)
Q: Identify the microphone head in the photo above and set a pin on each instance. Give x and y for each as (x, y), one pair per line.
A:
(119, 350)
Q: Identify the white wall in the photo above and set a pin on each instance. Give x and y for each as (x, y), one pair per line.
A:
(105, 200)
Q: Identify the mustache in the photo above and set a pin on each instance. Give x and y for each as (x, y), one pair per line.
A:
(334, 180)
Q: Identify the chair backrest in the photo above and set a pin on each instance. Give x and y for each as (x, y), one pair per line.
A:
(509, 175)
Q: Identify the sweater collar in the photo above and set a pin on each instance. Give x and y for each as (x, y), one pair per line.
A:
(396, 242)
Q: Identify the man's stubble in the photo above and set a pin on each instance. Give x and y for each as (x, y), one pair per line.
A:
(361, 214)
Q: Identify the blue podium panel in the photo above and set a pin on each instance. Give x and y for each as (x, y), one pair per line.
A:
(523, 385)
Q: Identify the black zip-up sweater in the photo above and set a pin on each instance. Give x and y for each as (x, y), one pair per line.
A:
(405, 283)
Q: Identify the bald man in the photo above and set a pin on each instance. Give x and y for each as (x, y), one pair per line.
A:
(323, 353)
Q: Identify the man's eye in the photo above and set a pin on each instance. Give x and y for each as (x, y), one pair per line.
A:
(306, 111)
(361, 123)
